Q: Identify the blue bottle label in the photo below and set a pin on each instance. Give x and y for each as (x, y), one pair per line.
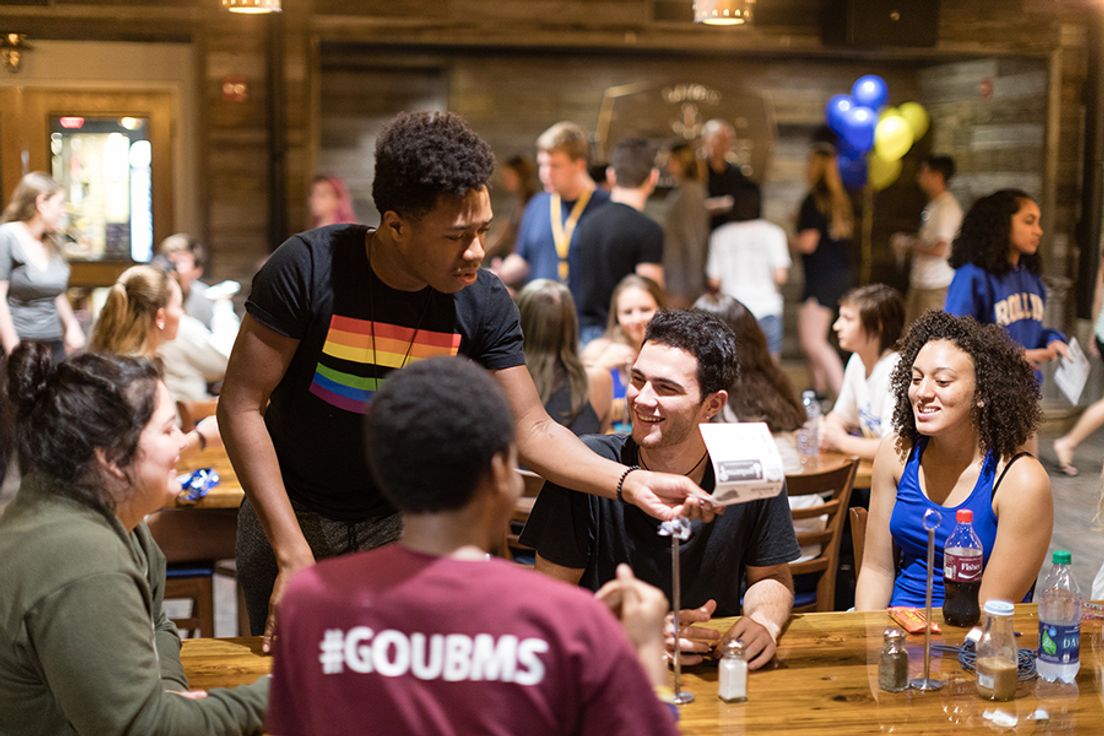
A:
(1059, 644)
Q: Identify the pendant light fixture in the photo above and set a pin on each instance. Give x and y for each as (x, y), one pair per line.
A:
(253, 7)
(722, 12)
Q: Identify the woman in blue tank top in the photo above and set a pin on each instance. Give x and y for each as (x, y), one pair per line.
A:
(966, 400)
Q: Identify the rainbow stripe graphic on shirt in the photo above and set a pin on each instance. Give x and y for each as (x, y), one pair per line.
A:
(350, 341)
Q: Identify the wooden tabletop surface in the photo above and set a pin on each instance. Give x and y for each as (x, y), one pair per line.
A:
(824, 681)
(228, 493)
(826, 460)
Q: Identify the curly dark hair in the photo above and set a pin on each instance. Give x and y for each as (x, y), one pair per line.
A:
(422, 155)
(703, 335)
(1004, 384)
(986, 230)
(432, 431)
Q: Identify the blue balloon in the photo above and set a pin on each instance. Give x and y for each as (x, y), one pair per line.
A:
(838, 105)
(858, 128)
(845, 150)
(871, 91)
(852, 168)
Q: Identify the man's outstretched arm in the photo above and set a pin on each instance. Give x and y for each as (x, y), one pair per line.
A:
(559, 456)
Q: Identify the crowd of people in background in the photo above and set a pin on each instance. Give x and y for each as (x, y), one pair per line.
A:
(585, 318)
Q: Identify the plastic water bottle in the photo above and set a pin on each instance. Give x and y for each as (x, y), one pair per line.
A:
(1059, 623)
(808, 435)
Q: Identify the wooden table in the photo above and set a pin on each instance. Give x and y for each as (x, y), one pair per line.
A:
(827, 460)
(824, 681)
(227, 494)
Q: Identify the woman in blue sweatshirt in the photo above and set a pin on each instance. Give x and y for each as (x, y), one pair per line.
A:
(997, 280)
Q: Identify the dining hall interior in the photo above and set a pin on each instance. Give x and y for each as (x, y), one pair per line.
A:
(747, 233)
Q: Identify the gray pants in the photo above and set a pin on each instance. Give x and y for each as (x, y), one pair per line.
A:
(326, 537)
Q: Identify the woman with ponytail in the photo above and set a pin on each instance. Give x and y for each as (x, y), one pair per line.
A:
(33, 272)
(824, 230)
(143, 312)
(85, 646)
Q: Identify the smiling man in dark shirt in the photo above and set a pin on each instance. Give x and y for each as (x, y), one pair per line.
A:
(679, 381)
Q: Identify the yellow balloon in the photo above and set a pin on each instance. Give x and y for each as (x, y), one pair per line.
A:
(882, 173)
(917, 118)
(892, 138)
(887, 112)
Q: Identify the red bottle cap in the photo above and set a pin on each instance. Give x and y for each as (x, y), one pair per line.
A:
(964, 516)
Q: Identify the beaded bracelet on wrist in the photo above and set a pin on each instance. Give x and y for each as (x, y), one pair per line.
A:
(621, 481)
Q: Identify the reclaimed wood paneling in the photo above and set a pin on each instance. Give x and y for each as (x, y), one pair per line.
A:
(612, 42)
(996, 139)
(235, 144)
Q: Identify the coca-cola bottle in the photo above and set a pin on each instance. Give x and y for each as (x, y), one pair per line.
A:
(962, 563)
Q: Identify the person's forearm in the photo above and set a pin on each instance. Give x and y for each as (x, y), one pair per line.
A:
(653, 271)
(769, 603)
(8, 338)
(557, 455)
(938, 248)
(166, 638)
(253, 456)
(863, 447)
(65, 312)
(513, 270)
(873, 589)
(166, 641)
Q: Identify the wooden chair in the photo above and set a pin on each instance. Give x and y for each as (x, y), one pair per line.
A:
(835, 483)
(858, 536)
(193, 582)
(510, 548)
(193, 540)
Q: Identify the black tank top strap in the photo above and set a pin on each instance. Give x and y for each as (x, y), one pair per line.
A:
(1004, 472)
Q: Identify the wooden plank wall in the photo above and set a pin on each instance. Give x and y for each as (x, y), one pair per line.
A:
(611, 41)
(990, 115)
(509, 98)
(235, 143)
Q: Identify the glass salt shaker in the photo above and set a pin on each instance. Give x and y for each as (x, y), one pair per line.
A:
(894, 663)
(732, 673)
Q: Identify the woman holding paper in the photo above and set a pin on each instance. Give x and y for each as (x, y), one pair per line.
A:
(966, 402)
(1093, 417)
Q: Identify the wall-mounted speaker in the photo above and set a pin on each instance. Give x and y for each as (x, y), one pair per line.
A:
(881, 22)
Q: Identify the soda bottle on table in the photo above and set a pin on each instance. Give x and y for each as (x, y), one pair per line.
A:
(808, 434)
(962, 564)
(1059, 622)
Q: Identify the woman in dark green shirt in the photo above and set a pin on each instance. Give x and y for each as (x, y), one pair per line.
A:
(85, 646)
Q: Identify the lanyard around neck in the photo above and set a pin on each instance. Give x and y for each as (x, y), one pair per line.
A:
(562, 231)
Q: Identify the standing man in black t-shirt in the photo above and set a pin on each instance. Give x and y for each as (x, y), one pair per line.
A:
(679, 381)
(727, 182)
(332, 313)
(617, 239)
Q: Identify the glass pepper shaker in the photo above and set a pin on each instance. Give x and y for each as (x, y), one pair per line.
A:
(732, 673)
(894, 663)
